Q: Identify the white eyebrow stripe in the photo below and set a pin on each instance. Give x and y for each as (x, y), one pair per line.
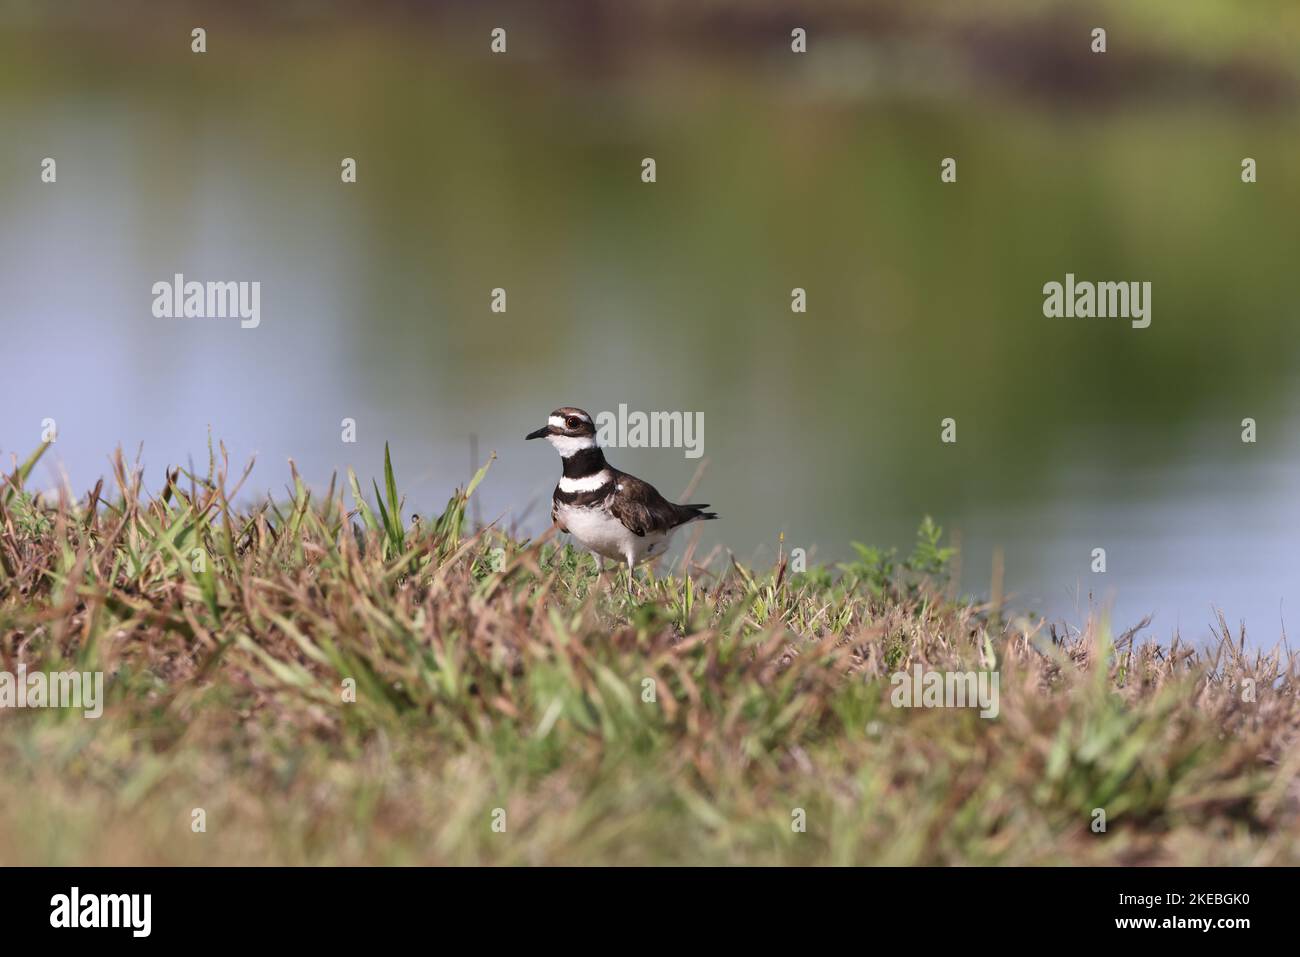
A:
(557, 421)
(588, 483)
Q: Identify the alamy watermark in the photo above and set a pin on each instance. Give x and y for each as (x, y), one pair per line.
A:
(56, 689)
(75, 909)
(651, 430)
(179, 299)
(1102, 300)
(946, 689)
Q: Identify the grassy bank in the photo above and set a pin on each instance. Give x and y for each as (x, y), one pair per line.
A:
(331, 680)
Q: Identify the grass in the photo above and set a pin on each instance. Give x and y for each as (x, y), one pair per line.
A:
(349, 685)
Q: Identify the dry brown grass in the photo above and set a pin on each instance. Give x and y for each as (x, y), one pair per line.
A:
(494, 674)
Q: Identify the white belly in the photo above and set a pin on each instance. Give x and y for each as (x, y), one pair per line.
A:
(598, 531)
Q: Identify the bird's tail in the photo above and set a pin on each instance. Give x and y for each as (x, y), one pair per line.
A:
(691, 513)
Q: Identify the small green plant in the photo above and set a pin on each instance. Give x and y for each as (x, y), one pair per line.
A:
(29, 518)
(882, 573)
(928, 556)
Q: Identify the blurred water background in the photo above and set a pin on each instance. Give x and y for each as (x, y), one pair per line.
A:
(775, 170)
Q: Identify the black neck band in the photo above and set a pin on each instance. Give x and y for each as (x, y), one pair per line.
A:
(584, 462)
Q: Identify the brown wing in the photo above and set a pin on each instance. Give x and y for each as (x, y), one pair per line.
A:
(642, 509)
(555, 516)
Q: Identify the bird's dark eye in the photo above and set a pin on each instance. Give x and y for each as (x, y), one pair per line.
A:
(574, 421)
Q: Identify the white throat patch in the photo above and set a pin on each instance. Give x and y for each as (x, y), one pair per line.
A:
(566, 445)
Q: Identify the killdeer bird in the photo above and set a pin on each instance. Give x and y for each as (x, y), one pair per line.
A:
(608, 512)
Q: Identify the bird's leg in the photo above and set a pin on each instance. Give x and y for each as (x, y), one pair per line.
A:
(629, 576)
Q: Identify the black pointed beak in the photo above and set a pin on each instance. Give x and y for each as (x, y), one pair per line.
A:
(540, 433)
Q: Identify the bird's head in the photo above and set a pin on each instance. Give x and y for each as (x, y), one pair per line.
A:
(568, 429)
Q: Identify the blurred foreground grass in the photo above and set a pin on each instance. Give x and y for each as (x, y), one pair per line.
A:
(495, 674)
